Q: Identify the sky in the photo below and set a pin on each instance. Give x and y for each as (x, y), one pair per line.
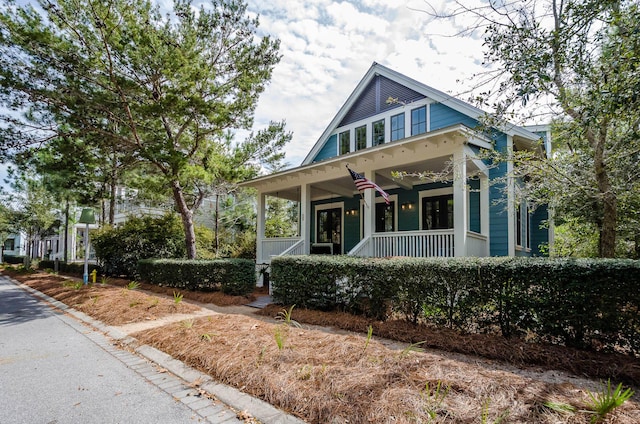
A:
(327, 47)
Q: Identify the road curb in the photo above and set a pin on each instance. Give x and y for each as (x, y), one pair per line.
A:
(231, 396)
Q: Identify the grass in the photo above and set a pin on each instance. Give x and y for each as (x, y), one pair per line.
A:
(133, 285)
(285, 317)
(602, 403)
(177, 298)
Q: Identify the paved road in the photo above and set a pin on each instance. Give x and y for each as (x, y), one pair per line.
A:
(56, 370)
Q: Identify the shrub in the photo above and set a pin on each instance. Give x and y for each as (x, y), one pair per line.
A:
(13, 260)
(585, 303)
(119, 249)
(231, 276)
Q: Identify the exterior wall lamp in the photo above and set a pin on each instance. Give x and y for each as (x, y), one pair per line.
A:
(407, 206)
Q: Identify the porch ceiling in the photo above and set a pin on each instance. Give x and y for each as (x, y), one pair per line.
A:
(427, 152)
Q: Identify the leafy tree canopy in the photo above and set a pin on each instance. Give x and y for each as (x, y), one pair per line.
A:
(165, 90)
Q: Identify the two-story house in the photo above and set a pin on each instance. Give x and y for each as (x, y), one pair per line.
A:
(391, 123)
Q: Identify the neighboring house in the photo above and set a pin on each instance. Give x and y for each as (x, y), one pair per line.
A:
(422, 129)
(14, 245)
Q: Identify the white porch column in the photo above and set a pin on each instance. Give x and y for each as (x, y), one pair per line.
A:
(370, 206)
(484, 210)
(305, 218)
(260, 224)
(460, 202)
(511, 202)
(369, 222)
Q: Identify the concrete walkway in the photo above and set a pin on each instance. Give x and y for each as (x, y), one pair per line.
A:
(55, 369)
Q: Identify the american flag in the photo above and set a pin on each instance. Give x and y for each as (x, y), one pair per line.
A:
(362, 184)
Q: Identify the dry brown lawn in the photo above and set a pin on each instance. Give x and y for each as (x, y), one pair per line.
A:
(327, 376)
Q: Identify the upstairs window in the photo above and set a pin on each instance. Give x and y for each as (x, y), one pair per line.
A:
(397, 127)
(419, 120)
(361, 137)
(344, 138)
(378, 132)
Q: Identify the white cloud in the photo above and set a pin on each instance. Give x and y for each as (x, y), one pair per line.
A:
(327, 47)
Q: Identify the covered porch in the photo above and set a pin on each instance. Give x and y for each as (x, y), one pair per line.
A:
(444, 218)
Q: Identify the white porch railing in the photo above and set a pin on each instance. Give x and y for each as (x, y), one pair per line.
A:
(276, 246)
(477, 244)
(439, 243)
(362, 249)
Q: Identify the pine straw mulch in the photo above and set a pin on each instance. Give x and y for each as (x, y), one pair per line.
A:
(514, 351)
(110, 304)
(325, 377)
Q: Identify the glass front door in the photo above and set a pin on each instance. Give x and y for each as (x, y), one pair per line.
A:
(385, 217)
(329, 224)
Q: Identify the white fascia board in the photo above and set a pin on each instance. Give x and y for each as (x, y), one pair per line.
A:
(340, 161)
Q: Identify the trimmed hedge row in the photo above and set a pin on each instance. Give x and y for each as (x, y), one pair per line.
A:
(13, 260)
(231, 276)
(69, 268)
(585, 303)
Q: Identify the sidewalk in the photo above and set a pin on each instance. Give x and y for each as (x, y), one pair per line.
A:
(182, 391)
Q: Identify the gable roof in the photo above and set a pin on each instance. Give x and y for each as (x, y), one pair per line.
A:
(407, 90)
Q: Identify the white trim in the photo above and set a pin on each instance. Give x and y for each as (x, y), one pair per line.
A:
(326, 206)
(392, 198)
(429, 92)
(430, 193)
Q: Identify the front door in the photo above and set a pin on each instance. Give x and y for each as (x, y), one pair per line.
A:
(385, 217)
(330, 228)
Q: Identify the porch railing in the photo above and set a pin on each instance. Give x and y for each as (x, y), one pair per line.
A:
(420, 244)
(276, 246)
(477, 245)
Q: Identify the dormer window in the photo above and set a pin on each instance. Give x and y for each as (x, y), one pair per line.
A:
(419, 120)
(344, 138)
(361, 137)
(378, 132)
(397, 127)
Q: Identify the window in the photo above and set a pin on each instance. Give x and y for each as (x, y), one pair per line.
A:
(10, 244)
(523, 226)
(419, 120)
(397, 127)
(437, 212)
(378, 132)
(345, 142)
(361, 137)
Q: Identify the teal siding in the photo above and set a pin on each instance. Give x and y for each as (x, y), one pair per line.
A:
(539, 230)
(442, 116)
(351, 226)
(329, 150)
(498, 217)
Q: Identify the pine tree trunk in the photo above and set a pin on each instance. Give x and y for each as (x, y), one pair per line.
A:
(187, 219)
(607, 239)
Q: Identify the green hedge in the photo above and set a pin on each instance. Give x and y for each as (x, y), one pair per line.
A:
(586, 303)
(231, 276)
(69, 268)
(13, 260)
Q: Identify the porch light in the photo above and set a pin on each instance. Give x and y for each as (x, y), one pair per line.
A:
(407, 206)
(351, 212)
(86, 217)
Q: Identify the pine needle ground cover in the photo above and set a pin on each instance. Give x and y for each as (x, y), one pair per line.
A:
(326, 376)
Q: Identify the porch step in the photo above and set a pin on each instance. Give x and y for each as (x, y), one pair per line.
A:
(260, 302)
